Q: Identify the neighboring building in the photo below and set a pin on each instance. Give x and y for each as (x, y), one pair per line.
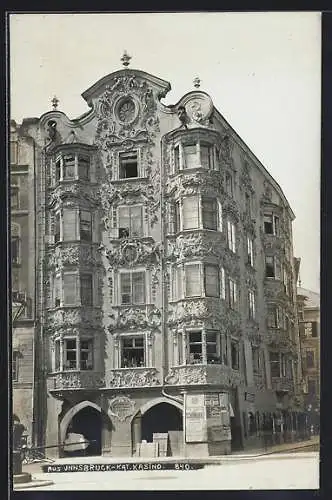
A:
(22, 182)
(309, 320)
(166, 289)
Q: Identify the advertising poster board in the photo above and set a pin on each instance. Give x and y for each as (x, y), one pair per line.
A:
(196, 430)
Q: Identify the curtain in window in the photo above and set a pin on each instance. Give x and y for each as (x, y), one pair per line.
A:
(193, 282)
(190, 213)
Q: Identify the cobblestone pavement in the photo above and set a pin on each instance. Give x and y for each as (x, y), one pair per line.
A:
(281, 472)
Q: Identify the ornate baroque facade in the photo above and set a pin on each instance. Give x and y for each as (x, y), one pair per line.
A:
(165, 272)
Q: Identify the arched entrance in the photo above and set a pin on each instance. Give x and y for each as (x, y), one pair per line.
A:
(162, 417)
(85, 420)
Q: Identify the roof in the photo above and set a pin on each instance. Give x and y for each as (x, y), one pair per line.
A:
(312, 298)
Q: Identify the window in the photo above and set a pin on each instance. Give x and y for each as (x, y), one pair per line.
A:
(15, 359)
(223, 284)
(232, 294)
(177, 158)
(310, 359)
(15, 249)
(132, 352)
(70, 354)
(273, 316)
(86, 290)
(252, 305)
(229, 184)
(190, 156)
(132, 286)
(192, 280)
(275, 364)
(206, 156)
(57, 227)
(128, 165)
(85, 226)
(271, 224)
(272, 268)
(256, 361)
(68, 166)
(13, 152)
(212, 347)
(57, 291)
(83, 167)
(14, 197)
(70, 292)
(131, 221)
(235, 355)
(211, 274)
(195, 347)
(310, 329)
(250, 250)
(231, 238)
(210, 213)
(190, 213)
(69, 224)
(86, 354)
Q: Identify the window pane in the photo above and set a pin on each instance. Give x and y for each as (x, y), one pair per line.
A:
(132, 352)
(192, 276)
(268, 224)
(195, 337)
(85, 226)
(86, 354)
(57, 228)
(190, 213)
(211, 281)
(124, 219)
(139, 288)
(136, 222)
(128, 165)
(70, 289)
(84, 167)
(125, 284)
(177, 158)
(15, 250)
(206, 156)
(68, 167)
(210, 214)
(86, 290)
(57, 170)
(190, 156)
(69, 225)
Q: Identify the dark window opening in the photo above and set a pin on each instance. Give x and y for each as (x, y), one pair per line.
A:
(235, 355)
(86, 290)
(275, 364)
(57, 170)
(57, 228)
(84, 167)
(128, 165)
(69, 167)
(85, 226)
(15, 250)
(70, 355)
(269, 267)
(86, 354)
(132, 352)
(210, 214)
(195, 348)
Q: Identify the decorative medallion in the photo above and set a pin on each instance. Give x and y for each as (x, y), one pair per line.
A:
(126, 110)
(121, 407)
(130, 254)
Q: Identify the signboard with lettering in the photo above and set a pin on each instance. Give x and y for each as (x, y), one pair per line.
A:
(196, 430)
(121, 407)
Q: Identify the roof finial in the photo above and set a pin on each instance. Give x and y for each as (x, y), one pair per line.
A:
(197, 82)
(55, 102)
(125, 59)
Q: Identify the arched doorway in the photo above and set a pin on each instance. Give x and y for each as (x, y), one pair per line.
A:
(85, 420)
(162, 417)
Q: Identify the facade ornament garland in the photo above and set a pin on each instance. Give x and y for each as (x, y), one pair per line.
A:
(197, 244)
(78, 380)
(69, 316)
(133, 377)
(205, 182)
(131, 318)
(202, 374)
(132, 252)
(73, 191)
(72, 255)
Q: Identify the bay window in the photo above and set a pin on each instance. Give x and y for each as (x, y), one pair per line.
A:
(132, 287)
(195, 154)
(190, 212)
(194, 274)
(211, 280)
(70, 354)
(191, 158)
(193, 280)
(72, 165)
(197, 213)
(132, 351)
(86, 357)
(85, 225)
(83, 167)
(69, 224)
(68, 166)
(130, 221)
(86, 290)
(70, 289)
(210, 213)
(273, 316)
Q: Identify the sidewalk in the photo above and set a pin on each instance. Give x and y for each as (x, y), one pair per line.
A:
(297, 450)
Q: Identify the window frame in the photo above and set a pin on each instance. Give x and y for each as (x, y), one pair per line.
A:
(86, 297)
(130, 218)
(133, 337)
(231, 236)
(124, 160)
(232, 293)
(252, 304)
(130, 273)
(203, 356)
(61, 351)
(275, 223)
(15, 365)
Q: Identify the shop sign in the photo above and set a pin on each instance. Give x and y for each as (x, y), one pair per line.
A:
(196, 431)
(121, 407)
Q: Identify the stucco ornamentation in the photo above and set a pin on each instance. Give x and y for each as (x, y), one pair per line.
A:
(72, 191)
(201, 374)
(121, 407)
(78, 380)
(133, 377)
(196, 244)
(207, 182)
(67, 317)
(133, 252)
(133, 318)
(72, 255)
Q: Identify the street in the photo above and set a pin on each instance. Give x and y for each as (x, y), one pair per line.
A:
(268, 473)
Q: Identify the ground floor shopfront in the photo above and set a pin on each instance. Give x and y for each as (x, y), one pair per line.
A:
(199, 422)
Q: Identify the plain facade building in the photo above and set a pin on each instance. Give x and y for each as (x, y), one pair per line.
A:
(166, 288)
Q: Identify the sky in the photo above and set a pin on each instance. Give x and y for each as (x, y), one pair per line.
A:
(262, 71)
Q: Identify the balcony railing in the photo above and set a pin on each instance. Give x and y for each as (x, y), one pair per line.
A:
(282, 384)
(133, 377)
(73, 379)
(202, 374)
